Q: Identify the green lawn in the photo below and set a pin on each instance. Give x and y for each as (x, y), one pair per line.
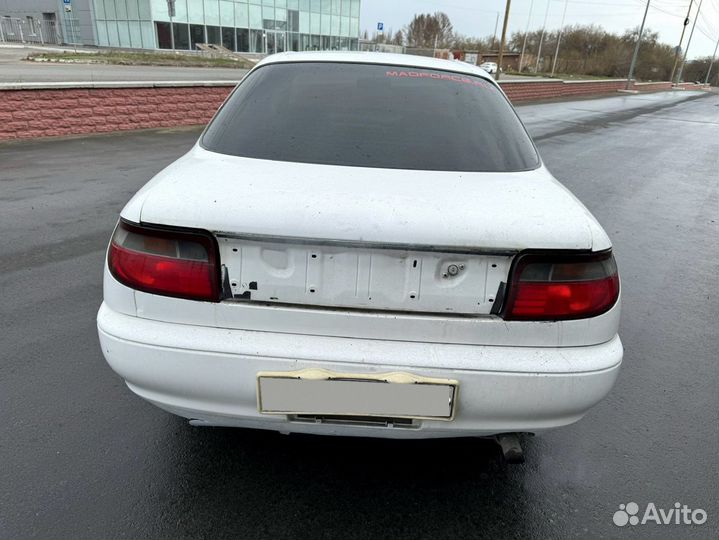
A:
(142, 59)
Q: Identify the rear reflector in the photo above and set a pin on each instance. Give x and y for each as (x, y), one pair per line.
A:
(164, 261)
(560, 287)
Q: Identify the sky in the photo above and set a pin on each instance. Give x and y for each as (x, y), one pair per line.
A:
(478, 17)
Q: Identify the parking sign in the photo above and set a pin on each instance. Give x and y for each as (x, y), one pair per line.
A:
(380, 26)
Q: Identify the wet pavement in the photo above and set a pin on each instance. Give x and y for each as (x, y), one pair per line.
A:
(82, 457)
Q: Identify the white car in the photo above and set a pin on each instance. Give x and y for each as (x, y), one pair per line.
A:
(489, 67)
(363, 244)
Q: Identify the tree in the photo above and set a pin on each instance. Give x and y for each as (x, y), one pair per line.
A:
(465, 43)
(430, 31)
(591, 50)
(696, 70)
(398, 38)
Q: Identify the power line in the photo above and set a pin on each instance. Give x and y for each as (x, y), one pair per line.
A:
(686, 50)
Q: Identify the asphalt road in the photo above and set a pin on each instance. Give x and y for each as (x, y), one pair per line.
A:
(13, 69)
(81, 457)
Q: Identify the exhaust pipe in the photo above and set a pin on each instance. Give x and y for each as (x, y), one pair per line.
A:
(511, 448)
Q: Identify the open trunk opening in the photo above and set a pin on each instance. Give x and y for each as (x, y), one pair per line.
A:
(356, 276)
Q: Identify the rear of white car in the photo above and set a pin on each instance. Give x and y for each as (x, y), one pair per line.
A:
(335, 256)
(489, 67)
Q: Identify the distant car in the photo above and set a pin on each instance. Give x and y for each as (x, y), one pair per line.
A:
(363, 244)
(489, 67)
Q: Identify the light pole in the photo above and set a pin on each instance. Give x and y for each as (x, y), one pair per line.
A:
(681, 38)
(526, 30)
(706, 80)
(171, 14)
(686, 49)
(541, 38)
(504, 37)
(559, 37)
(636, 47)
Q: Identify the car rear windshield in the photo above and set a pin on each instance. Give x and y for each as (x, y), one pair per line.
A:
(369, 115)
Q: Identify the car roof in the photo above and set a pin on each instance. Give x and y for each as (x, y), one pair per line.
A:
(357, 57)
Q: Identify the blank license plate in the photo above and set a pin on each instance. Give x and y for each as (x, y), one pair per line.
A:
(355, 397)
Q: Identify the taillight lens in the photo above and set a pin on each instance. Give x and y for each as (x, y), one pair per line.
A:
(167, 262)
(558, 287)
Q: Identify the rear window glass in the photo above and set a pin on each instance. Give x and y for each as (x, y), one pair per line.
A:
(368, 115)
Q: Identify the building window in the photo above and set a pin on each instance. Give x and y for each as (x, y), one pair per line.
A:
(294, 38)
(213, 35)
(256, 41)
(243, 40)
(164, 36)
(293, 20)
(228, 38)
(255, 16)
(197, 35)
(182, 35)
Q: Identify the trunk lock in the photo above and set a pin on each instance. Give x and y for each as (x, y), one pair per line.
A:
(452, 270)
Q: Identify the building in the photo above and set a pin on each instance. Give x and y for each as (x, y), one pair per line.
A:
(256, 26)
(47, 21)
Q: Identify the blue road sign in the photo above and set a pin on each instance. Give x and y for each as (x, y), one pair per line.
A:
(65, 1)
(380, 26)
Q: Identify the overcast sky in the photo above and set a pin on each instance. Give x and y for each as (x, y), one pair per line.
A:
(478, 17)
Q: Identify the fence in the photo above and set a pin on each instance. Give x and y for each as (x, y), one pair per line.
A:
(29, 30)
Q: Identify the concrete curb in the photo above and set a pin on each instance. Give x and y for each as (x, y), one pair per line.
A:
(72, 85)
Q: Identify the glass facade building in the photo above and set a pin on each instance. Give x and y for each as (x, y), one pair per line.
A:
(255, 26)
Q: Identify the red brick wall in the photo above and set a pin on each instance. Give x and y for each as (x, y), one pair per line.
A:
(43, 112)
(47, 113)
(519, 91)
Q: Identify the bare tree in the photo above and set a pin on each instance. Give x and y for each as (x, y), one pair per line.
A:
(430, 30)
(466, 43)
(591, 50)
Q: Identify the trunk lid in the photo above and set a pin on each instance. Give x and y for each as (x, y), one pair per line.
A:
(364, 238)
(436, 209)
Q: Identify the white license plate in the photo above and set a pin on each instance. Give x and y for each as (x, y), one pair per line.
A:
(394, 395)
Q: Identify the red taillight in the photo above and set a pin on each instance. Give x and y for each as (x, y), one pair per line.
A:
(556, 287)
(166, 262)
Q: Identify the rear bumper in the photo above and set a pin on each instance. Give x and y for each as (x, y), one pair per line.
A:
(209, 375)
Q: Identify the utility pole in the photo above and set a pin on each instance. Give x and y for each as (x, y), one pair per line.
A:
(636, 47)
(706, 80)
(559, 37)
(686, 49)
(681, 38)
(541, 38)
(504, 37)
(526, 31)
